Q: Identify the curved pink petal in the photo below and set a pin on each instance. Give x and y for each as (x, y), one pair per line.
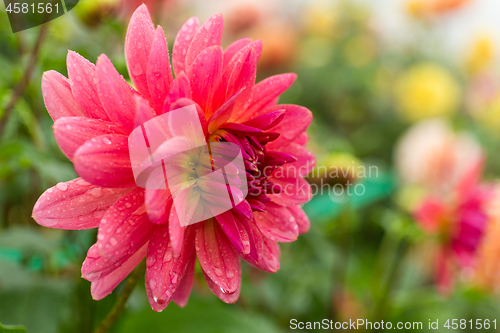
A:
(239, 74)
(277, 223)
(234, 48)
(183, 290)
(176, 232)
(297, 119)
(265, 93)
(181, 44)
(83, 81)
(105, 161)
(125, 227)
(264, 252)
(72, 132)
(243, 71)
(158, 203)
(209, 34)
(58, 98)
(105, 285)
(302, 139)
(217, 256)
(204, 75)
(296, 191)
(159, 73)
(95, 266)
(76, 204)
(235, 231)
(140, 33)
(144, 111)
(301, 218)
(116, 95)
(163, 270)
(222, 115)
(223, 296)
(180, 88)
(305, 163)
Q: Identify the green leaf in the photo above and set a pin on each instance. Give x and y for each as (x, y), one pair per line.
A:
(12, 329)
(201, 315)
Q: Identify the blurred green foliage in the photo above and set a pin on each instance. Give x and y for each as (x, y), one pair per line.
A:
(361, 258)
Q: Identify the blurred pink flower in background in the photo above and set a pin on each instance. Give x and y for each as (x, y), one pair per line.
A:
(430, 155)
(453, 203)
(94, 112)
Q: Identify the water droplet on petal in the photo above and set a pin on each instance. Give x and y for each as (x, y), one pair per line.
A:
(62, 186)
(106, 141)
(113, 241)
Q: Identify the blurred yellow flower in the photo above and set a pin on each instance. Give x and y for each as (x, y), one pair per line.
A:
(481, 54)
(490, 116)
(320, 21)
(426, 90)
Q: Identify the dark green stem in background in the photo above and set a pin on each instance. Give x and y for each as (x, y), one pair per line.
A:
(121, 301)
(390, 281)
(25, 80)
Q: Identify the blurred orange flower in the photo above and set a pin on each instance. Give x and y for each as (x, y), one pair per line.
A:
(422, 8)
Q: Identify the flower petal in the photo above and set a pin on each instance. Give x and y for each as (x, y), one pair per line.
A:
(159, 72)
(210, 34)
(183, 290)
(301, 218)
(74, 205)
(264, 252)
(58, 98)
(104, 161)
(176, 232)
(223, 296)
(181, 44)
(125, 227)
(104, 286)
(140, 33)
(277, 223)
(72, 132)
(204, 75)
(265, 93)
(305, 163)
(180, 88)
(296, 191)
(163, 270)
(116, 95)
(234, 48)
(158, 203)
(297, 119)
(217, 256)
(235, 231)
(83, 81)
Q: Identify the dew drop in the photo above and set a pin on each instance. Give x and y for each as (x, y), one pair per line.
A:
(62, 186)
(152, 284)
(168, 255)
(106, 141)
(113, 241)
(218, 271)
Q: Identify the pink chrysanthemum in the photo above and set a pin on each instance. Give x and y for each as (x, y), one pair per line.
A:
(95, 110)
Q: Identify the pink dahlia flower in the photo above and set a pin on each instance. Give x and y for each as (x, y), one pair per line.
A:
(460, 221)
(95, 110)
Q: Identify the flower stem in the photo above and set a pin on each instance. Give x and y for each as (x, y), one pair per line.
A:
(119, 305)
(25, 80)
